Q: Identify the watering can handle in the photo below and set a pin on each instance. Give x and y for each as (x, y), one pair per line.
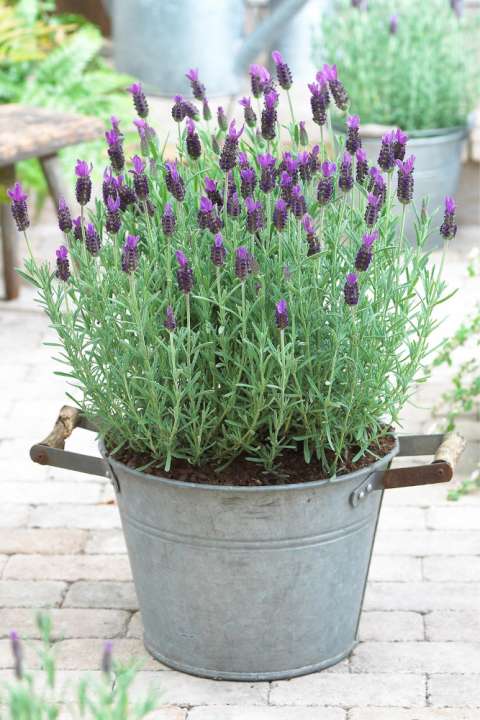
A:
(50, 451)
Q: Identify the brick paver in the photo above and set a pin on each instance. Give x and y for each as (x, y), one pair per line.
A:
(61, 547)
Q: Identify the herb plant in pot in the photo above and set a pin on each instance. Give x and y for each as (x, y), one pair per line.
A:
(413, 66)
(242, 327)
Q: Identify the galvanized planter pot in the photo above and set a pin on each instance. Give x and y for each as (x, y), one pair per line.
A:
(250, 583)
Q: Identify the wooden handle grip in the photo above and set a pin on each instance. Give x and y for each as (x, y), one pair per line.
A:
(450, 450)
(66, 422)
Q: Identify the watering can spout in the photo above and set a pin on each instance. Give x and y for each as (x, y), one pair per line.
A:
(267, 31)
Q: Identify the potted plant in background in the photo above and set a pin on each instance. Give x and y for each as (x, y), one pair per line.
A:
(413, 66)
(243, 326)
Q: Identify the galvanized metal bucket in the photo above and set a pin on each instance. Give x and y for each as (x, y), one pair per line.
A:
(251, 583)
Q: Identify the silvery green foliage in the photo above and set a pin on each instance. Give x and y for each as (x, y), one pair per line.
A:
(423, 75)
(40, 695)
(222, 379)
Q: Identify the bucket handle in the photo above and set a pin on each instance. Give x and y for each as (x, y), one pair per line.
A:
(446, 449)
(51, 450)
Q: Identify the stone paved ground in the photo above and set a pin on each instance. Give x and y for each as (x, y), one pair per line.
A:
(61, 548)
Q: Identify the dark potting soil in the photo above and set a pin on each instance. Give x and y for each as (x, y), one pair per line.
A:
(291, 467)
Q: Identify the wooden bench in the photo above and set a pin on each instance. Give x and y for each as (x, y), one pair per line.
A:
(29, 132)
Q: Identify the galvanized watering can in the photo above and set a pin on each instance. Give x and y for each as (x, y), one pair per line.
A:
(156, 41)
(251, 583)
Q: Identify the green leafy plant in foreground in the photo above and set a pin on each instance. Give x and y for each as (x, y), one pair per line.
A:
(54, 61)
(406, 63)
(39, 696)
(211, 309)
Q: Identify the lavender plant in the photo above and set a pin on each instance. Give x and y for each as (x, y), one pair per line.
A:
(406, 63)
(38, 695)
(247, 302)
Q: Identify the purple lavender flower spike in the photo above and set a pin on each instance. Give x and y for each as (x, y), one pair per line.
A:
(353, 142)
(337, 89)
(320, 99)
(255, 219)
(126, 193)
(248, 181)
(130, 254)
(194, 146)
(259, 78)
(92, 240)
(83, 187)
(17, 653)
(286, 184)
(361, 170)
(174, 181)
(350, 290)
(64, 217)
(284, 74)
(315, 159)
(140, 181)
(248, 112)
(399, 144)
(377, 184)
(393, 24)
(267, 166)
(386, 157)
(372, 209)
(222, 119)
(297, 202)
(108, 186)
(113, 222)
(457, 7)
(228, 157)
(269, 115)
(303, 164)
(345, 181)
(18, 206)
(139, 99)
(313, 243)
(448, 227)
(243, 263)
(115, 150)
(146, 133)
(281, 315)
(77, 228)
(233, 205)
(204, 214)
(280, 214)
(115, 123)
(212, 192)
(169, 220)
(198, 89)
(206, 112)
(178, 109)
(303, 135)
(364, 255)
(190, 110)
(405, 180)
(325, 185)
(218, 251)
(170, 323)
(63, 266)
(184, 273)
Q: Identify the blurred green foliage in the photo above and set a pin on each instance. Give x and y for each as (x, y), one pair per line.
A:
(50, 60)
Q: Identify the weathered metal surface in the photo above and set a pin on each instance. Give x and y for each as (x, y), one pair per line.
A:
(27, 132)
(251, 583)
(172, 36)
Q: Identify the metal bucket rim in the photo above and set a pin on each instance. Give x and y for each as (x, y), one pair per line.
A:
(369, 469)
(414, 136)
